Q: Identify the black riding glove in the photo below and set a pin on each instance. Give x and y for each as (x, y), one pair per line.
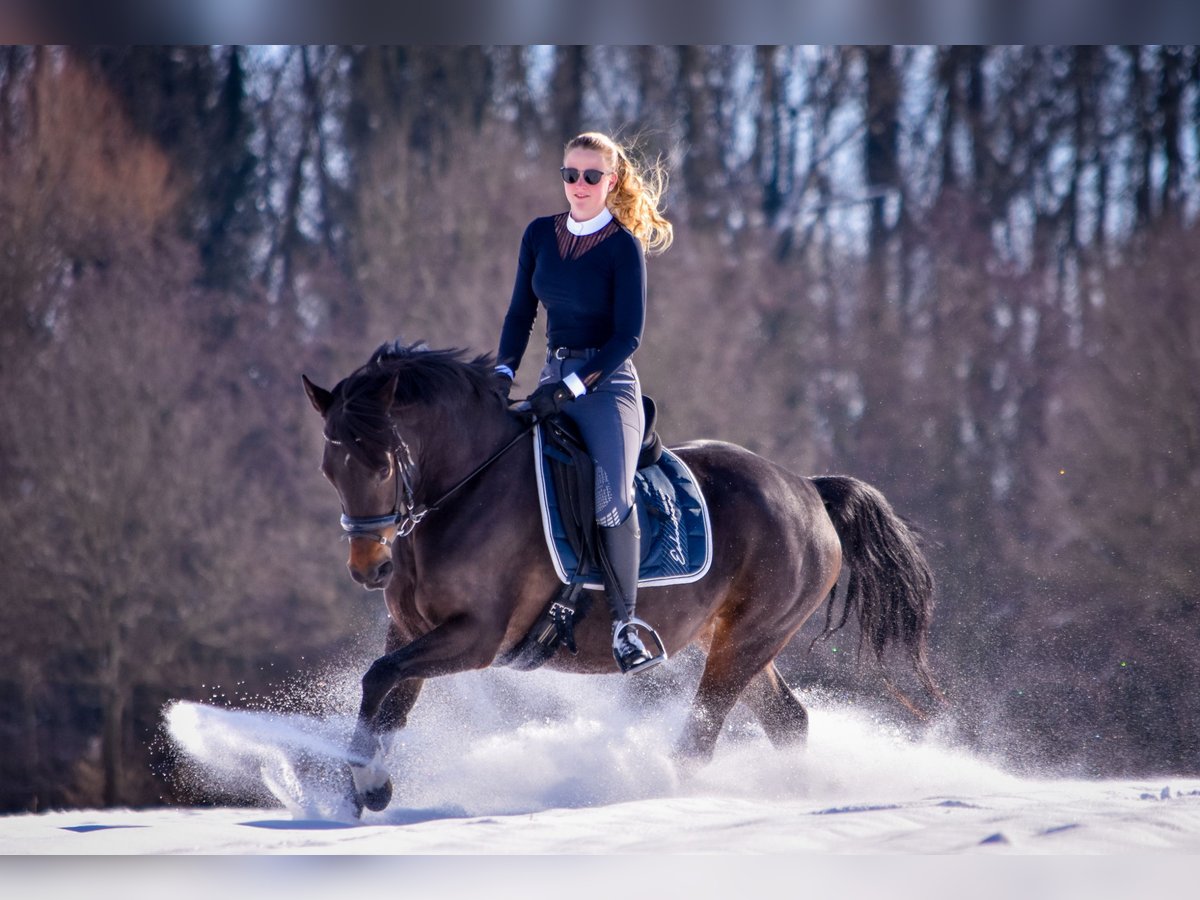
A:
(550, 399)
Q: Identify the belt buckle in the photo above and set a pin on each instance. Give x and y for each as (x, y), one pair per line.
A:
(561, 353)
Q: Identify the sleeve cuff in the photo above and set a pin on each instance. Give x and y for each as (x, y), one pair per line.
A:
(576, 385)
(505, 370)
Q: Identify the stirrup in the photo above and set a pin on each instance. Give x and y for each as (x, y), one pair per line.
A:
(651, 660)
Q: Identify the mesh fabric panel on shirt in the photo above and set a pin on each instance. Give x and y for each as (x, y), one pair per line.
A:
(572, 246)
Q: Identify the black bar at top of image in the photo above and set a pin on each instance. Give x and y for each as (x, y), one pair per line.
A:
(598, 21)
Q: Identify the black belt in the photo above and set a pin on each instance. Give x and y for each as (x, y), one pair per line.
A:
(568, 353)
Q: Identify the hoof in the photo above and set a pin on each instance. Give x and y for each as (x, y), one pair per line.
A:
(377, 799)
(372, 784)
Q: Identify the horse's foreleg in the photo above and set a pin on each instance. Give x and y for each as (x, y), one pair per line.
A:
(372, 783)
(393, 713)
(390, 688)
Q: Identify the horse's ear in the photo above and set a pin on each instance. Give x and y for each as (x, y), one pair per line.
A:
(321, 398)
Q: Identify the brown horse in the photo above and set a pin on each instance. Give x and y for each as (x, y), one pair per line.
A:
(466, 576)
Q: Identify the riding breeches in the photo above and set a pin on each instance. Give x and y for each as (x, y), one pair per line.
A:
(612, 421)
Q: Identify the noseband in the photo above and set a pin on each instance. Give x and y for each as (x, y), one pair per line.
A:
(405, 513)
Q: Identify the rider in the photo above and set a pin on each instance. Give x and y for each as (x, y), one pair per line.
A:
(587, 267)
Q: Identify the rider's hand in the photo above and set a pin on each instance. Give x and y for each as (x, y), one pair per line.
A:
(550, 399)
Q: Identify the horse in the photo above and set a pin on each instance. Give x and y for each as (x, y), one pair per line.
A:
(437, 486)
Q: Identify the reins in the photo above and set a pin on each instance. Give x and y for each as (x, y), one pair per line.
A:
(416, 516)
(406, 515)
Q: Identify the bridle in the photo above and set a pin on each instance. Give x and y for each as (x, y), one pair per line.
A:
(405, 514)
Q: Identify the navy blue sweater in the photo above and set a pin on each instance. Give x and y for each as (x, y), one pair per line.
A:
(594, 290)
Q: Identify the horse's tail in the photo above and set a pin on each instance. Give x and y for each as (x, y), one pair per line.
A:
(890, 588)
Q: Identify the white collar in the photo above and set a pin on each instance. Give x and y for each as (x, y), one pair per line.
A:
(591, 226)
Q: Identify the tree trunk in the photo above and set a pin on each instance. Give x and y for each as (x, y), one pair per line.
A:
(882, 168)
(769, 142)
(112, 737)
(31, 754)
(1144, 140)
(701, 167)
(569, 66)
(1170, 105)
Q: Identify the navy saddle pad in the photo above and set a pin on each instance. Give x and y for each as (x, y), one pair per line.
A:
(672, 515)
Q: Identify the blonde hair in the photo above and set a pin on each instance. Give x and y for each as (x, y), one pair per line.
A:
(637, 195)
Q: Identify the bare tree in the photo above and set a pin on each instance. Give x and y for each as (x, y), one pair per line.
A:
(127, 520)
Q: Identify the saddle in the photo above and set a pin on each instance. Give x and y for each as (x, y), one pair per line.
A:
(676, 537)
(573, 475)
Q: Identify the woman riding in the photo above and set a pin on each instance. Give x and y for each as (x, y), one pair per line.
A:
(587, 267)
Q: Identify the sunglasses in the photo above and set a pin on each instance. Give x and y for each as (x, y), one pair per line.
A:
(591, 176)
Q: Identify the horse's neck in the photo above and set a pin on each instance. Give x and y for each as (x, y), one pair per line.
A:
(457, 443)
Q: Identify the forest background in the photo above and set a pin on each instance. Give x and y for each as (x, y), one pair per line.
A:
(964, 274)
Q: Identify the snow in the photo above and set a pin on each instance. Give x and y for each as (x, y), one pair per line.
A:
(1059, 818)
(500, 766)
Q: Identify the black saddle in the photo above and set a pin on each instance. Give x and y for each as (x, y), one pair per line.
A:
(652, 445)
(574, 476)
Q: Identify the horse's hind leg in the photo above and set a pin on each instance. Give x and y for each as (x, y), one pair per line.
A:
(778, 710)
(731, 666)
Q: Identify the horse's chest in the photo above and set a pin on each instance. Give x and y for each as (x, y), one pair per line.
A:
(410, 613)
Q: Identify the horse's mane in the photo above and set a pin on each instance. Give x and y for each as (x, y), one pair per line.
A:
(359, 419)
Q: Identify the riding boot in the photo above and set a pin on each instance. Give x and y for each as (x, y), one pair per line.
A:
(622, 547)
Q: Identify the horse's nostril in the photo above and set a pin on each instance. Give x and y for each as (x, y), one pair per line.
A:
(385, 571)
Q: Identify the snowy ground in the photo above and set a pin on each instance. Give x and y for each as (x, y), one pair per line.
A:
(1059, 818)
(495, 765)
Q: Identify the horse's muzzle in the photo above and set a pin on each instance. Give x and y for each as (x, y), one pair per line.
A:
(374, 577)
